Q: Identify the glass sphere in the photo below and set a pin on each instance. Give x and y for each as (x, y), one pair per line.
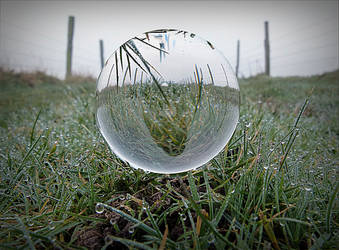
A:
(167, 101)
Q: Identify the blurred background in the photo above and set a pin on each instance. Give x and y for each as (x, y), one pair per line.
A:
(302, 35)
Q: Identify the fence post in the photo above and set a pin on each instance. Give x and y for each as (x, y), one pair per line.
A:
(69, 46)
(238, 59)
(101, 42)
(267, 50)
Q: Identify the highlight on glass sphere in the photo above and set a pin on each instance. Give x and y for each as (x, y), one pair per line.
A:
(167, 101)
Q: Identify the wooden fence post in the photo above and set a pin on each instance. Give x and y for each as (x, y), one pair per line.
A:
(101, 42)
(267, 50)
(238, 59)
(69, 46)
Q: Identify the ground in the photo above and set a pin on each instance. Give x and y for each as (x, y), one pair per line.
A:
(273, 186)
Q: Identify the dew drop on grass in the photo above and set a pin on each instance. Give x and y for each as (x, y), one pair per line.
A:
(30, 222)
(112, 221)
(131, 230)
(167, 101)
(210, 239)
(183, 216)
(144, 205)
(99, 208)
(108, 240)
(51, 225)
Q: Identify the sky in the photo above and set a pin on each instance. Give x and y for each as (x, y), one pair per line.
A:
(303, 34)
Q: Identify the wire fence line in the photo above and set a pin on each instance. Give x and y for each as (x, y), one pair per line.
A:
(309, 26)
(314, 37)
(55, 48)
(258, 55)
(302, 51)
(297, 52)
(46, 36)
(282, 43)
(52, 55)
(49, 57)
(281, 51)
(315, 60)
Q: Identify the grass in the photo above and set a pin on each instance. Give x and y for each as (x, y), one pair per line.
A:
(169, 125)
(273, 186)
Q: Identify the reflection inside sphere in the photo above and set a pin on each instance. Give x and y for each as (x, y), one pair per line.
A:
(167, 101)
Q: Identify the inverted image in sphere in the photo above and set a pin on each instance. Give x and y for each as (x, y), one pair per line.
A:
(167, 101)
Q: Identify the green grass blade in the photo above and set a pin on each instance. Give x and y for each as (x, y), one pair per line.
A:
(135, 75)
(151, 45)
(210, 225)
(109, 76)
(121, 61)
(34, 124)
(210, 72)
(29, 152)
(223, 69)
(26, 234)
(139, 223)
(199, 79)
(117, 70)
(128, 64)
(153, 222)
(130, 243)
(193, 187)
(123, 81)
(293, 135)
(133, 59)
(209, 194)
(292, 220)
(223, 207)
(330, 207)
(131, 45)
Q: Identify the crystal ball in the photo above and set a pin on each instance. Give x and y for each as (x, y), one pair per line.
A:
(167, 101)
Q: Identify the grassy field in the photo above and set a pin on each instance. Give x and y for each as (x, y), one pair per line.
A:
(273, 186)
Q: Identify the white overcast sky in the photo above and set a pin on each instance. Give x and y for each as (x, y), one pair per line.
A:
(303, 34)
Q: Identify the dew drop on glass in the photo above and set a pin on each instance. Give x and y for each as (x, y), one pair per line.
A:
(167, 101)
